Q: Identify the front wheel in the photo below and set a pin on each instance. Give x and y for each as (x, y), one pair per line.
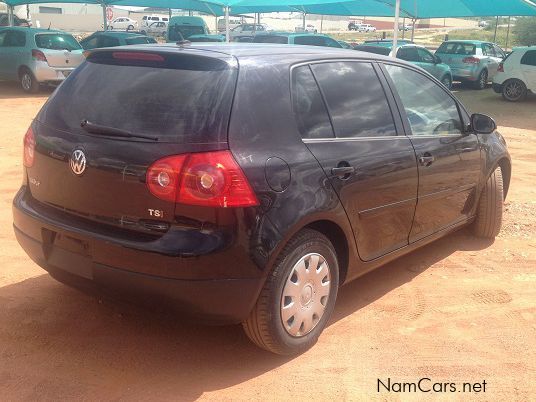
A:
(514, 90)
(130, 28)
(298, 297)
(490, 207)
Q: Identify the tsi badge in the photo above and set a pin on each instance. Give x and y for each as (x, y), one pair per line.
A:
(157, 213)
(78, 162)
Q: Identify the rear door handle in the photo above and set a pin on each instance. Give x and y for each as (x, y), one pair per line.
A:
(343, 171)
(426, 159)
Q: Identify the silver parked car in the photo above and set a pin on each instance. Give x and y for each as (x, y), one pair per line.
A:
(471, 60)
(37, 56)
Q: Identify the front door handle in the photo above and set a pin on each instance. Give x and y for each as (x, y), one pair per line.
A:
(426, 159)
(343, 171)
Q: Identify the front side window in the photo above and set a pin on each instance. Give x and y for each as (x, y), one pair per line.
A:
(408, 54)
(309, 108)
(429, 109)
(355, 99)
(425, 56)
(488, 50)
(15, 39)
(309, 40)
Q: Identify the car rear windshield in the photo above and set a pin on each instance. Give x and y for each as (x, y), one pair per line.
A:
(57, 42)
(465, 49)
(139, 40)
(175, 31)
(177, 98)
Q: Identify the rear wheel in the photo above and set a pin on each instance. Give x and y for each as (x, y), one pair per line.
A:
(514, 90)
(447, 81)
(298, 297)
(130, 28)
(482, 80)
(28, 82)
(490, 207)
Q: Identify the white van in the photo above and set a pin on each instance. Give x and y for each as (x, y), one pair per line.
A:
(147, 20)
(233, 23)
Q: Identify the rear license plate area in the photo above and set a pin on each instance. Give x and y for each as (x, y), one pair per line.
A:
(68, 253)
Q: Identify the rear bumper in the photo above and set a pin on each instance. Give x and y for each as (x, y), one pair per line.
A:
(44, 73)
(74, 256)
(470, 74)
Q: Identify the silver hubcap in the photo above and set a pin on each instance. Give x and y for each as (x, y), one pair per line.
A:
(26, 81)
(305, 295)
(513, 90)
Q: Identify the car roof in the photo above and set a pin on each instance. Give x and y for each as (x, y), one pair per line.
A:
(121, 34)
(289, 34)
(470, 41)
(242, 51)
(35, 30)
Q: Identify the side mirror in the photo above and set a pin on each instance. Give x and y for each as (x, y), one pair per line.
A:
(437, 60)
(482, 124)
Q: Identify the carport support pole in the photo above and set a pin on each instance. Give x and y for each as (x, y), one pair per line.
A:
(414, 21)
(10, 19)
(303, 22)
(169, 14)
(104, 20)
(495, 34)
(507, 34)
(395, 29)
(227, 38)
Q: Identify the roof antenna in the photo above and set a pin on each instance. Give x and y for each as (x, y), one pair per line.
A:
(182, 42)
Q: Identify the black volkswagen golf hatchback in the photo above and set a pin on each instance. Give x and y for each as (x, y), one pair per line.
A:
(246, 183)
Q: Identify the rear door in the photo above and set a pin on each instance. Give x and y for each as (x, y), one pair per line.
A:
(528, 68)
(448, 158)
(13, 53)
(182, 100)
(372, 169)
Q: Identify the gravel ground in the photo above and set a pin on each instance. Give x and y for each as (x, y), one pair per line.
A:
(458, 310)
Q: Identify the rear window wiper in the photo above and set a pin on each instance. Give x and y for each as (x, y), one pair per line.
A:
(112, 132)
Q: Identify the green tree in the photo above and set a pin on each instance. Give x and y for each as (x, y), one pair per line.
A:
(525, 31)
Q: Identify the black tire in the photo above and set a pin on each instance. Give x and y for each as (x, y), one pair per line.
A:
(482, 80)
(28, 82)
(490, 207)
(130, 28)
(264, 326)
(110, 28)
(514, 90)
(447, 81)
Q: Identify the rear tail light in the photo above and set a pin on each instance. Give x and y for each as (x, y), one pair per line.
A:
(208, 179)
(29, 148)
(39, 55)
(471, 60)
(500, 69)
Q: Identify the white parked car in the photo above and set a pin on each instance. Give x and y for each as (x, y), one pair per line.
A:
(366, 28)
(123, 24)
(246, 32)
(516, 75)
(155, 29)
(308, 28)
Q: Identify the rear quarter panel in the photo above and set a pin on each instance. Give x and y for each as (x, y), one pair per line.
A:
(262, 126)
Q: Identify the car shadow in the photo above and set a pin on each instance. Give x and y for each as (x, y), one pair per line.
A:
(12, 90)
(55, 338)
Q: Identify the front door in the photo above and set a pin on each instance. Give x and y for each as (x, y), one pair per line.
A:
(372, 169)
(448, 157)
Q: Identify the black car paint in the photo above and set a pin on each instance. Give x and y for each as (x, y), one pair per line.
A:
(214, 261)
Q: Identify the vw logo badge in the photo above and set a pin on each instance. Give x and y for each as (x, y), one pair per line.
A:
(78, 162)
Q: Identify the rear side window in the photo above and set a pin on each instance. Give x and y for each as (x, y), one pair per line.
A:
(139, 40)
(56, 42)
(529, 58)
(466, 49)
(182, 99)
(309, 109)
(108, 41)
(408, 54)
(270, 39)
(355, 99)
(14, 39)
(374, 49)
(310, 40)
